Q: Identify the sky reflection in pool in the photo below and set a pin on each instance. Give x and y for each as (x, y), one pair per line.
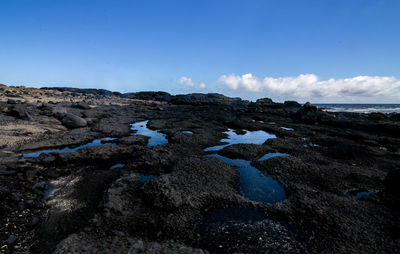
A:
(287, 129)
(254, 184)
(146, 178)
(311, 145)
(250, 137)
(50, 190)
(119, 165)
(96, 142)
(271, 155)
(358, 194)
(156, 138)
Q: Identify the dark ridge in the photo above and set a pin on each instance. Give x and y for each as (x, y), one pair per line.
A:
(103, 92)
(205, 99)
(148, 95)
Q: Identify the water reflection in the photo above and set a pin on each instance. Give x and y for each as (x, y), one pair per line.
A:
(96, 142)
(255, 185)
(156, 138)
(250, 137)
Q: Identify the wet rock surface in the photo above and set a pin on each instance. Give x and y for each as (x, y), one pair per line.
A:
(72, 202)
(118, 242)
(247, 231)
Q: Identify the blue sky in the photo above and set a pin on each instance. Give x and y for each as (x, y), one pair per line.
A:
(322, 51)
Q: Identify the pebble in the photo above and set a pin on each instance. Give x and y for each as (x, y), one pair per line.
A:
(11, 101)
(39, 185)
(21, 206)
(30, 174)
(34, 221)
(11, 239)
(15, 197)
(30, 203)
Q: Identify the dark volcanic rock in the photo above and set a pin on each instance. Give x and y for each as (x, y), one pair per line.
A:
(154, 96)
(57, 111)
(83, 91)
(83, 242)
(203, 181)
(395, 116)
(11, 239)
(292, 104)
(205, 99)
(82, 105)
(20, 112)
(311, 114)
(72, 121)
(165, 198)
(7, 172)
(72, 207)
(250, 231)
(265, 101)
(170, 204)
(11, 101)
(392, 187)
(245, 151)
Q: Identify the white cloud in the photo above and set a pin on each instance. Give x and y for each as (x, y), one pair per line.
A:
(250, 82)
(309, 86)
(232, 81)
(189, 82)
(185, 81)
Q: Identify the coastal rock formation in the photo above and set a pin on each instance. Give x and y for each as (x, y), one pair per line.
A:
(75, 176)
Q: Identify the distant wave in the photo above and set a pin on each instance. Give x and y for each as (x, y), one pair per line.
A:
(361, 108)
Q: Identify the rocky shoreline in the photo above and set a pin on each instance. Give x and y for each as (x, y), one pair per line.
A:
(341, 178)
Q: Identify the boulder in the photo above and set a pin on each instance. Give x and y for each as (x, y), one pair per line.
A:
(20, 112)
(11, 101)
(309, 107)
(310, 114)
(55, 111)
(82, 105)
(292, 104)
(72, 121)
(265, 101)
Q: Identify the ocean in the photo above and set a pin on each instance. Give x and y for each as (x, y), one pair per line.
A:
(361, 108)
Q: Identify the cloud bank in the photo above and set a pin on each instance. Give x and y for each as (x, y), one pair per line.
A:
(309, 86)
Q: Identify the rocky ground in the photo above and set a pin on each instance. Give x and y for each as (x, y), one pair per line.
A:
(72, 202)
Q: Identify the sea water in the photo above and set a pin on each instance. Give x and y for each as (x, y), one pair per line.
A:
(361, 108)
